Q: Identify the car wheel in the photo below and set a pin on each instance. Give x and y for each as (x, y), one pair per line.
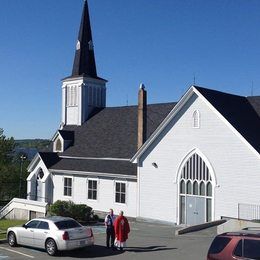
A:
(51, 247)
(12, 239)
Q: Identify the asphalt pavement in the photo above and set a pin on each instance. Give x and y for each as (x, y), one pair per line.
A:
(147, 241)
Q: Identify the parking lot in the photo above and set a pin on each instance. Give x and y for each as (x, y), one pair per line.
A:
(146, 241)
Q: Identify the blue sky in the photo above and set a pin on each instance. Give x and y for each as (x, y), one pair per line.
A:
(162, 43)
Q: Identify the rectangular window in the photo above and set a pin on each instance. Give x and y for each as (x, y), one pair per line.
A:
(182, 209)
(209, 208)
(120, 192)
(92, 189)
(251, 249)
(67, 186)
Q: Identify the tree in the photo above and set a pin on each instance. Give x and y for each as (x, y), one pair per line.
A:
(10, 169)
(6, 149)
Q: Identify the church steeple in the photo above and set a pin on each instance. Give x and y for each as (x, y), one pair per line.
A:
(83, 92)
(84, 61)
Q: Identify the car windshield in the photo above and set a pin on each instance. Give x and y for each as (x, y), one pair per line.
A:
(66, 224)
(218, 244)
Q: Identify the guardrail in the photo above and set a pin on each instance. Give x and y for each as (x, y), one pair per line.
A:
(248, 211)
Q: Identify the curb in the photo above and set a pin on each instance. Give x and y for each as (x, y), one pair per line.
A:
(199, 227)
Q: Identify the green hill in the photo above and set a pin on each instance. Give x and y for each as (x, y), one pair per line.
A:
(32, 143)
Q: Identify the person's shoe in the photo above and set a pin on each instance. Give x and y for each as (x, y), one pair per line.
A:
(121, 248)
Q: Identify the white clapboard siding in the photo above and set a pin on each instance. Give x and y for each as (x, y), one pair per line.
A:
(235, 165)
(106, 193)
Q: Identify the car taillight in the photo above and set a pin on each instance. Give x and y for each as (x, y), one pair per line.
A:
(65, 236)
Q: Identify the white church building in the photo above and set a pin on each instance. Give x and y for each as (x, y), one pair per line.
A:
(185, 162)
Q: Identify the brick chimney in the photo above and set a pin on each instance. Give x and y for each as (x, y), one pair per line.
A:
(142, 116)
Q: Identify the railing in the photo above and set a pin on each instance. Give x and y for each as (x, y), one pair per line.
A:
(248, 211)
(31, 196)
(25, 204)
(5, 210)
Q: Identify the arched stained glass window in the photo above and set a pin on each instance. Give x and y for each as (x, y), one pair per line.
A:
(195, 188)
(182, 187)
(209, 189)
(188, 187)
(202, 189)
(195, 169)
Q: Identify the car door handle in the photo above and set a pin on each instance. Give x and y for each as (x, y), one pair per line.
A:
(31, 230)
(45, 232)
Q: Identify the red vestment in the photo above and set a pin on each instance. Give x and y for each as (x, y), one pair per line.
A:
(122, 228)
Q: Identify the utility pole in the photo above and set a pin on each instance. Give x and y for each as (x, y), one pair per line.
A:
(22, 158)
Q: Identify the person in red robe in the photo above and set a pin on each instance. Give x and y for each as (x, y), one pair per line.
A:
(122, 229)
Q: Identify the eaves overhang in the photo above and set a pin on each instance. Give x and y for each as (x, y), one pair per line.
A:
(93, 174)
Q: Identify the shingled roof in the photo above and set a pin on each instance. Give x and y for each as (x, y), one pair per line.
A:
(49, 158)
(112, 133)
(243, 113)
(96, 165)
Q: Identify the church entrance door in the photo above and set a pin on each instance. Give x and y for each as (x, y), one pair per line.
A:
(195, 208)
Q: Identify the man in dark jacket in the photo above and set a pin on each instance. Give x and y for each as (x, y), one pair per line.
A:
(110, 231)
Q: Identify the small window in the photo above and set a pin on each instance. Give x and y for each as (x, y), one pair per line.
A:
(251, 249)
(66, 224)
(67, 186)
(209, 209)
(202, 189)
(58, 145)
(188, 187)
(40, 174)
(196, 119)
(195, 188)
(33, 224)
(92, 189)
(182, 207)
(209, 189)
(43, 225)
(182, 187)
(238, 249)
(120, 192)
(218, 244)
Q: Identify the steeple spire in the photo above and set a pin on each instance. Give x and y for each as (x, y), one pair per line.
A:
(84, 61)
(83, 93)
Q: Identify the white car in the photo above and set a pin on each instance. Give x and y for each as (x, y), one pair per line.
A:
(52, 233)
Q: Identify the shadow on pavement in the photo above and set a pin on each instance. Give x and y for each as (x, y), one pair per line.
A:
(148, 249)
(91, 252)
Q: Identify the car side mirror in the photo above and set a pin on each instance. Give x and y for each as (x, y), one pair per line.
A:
(24, 225)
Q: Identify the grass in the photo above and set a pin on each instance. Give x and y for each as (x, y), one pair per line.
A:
(6, 223)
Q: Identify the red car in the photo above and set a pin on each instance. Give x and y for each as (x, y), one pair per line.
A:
(243, 244)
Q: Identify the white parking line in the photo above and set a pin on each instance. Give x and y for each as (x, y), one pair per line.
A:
(13, 251)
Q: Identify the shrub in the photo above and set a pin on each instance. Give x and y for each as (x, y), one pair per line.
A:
(80, 212)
